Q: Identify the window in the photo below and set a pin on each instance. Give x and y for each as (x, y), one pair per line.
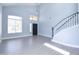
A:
(30, 27)
(14, 24)
(33, 18)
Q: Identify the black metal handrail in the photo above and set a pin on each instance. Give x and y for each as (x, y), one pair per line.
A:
(70, 20)
(65, 18)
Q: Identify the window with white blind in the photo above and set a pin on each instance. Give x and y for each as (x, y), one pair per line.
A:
(14, 24)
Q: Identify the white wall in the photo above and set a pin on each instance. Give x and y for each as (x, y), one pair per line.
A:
(50, 14)
(23, 11)
(78, 7)
(0, 20)
(68, 37)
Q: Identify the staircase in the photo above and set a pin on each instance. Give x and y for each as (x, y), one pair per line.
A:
(66, 32)
(67, 22)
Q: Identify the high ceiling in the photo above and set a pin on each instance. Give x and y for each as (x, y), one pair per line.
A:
(11, 4)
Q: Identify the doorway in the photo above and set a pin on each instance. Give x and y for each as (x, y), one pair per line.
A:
(35, 29)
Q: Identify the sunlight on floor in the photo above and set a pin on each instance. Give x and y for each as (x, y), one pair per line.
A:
(57, 49)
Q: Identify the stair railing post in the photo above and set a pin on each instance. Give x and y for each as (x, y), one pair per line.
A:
(52, 32)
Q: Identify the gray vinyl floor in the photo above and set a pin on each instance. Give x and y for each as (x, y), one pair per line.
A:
(32, 46)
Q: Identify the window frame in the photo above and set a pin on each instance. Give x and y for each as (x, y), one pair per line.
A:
(14, 18)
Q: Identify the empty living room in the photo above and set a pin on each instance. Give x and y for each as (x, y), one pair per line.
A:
(39, 28)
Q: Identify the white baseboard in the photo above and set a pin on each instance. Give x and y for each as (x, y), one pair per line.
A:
(15, 37)
(65, 44)
(45, 35)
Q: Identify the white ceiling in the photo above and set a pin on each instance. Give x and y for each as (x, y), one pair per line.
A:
(11, 4)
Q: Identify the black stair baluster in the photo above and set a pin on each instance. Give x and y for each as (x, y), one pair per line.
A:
(66, 22)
